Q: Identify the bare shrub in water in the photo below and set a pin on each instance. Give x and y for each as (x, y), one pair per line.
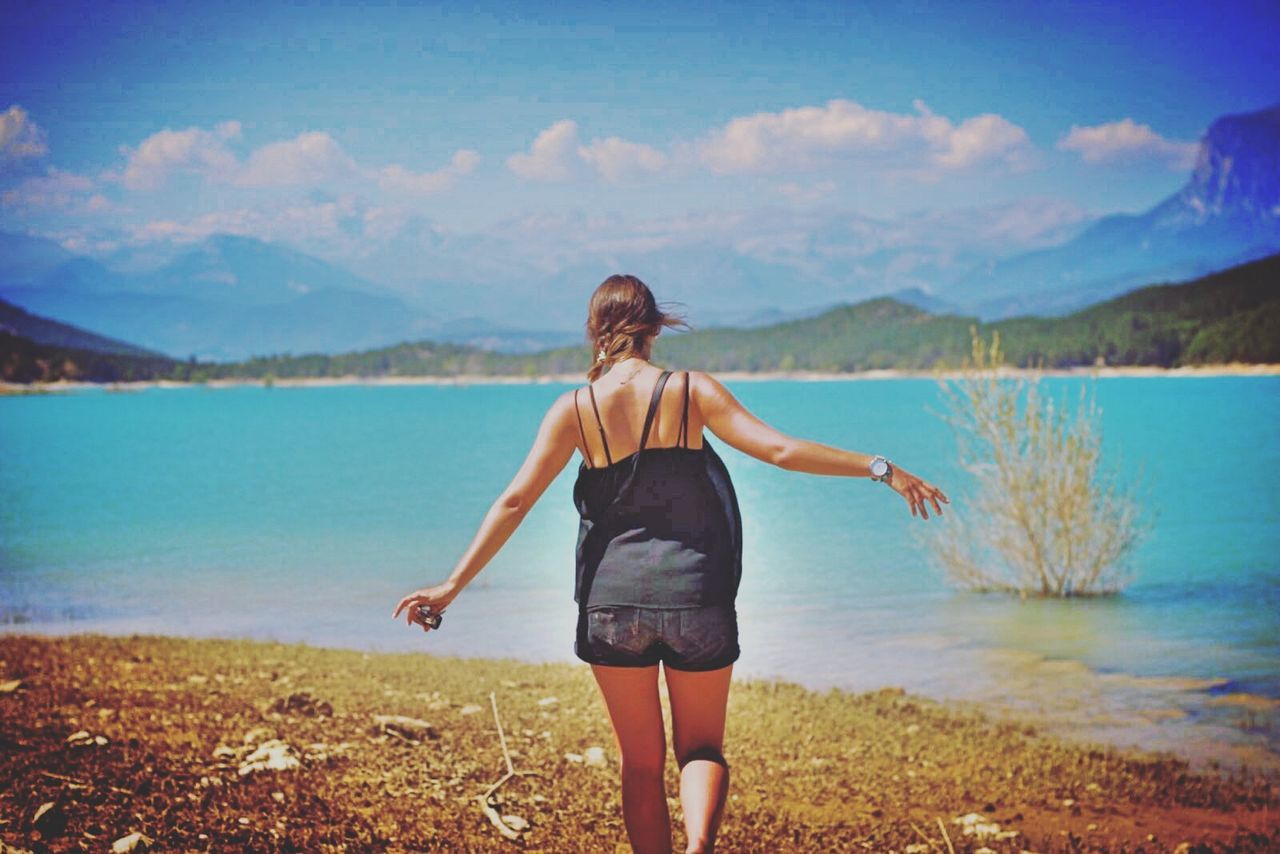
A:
(1044, 518)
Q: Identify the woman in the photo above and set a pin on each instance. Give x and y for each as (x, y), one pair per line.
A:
(659, 550)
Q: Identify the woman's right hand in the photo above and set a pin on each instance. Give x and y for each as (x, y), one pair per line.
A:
(917, 492)
(437, 598)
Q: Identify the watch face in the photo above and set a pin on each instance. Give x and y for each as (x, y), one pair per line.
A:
(879, 467)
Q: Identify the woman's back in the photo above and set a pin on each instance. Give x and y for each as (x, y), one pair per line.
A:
(621, 406)
(660, 525)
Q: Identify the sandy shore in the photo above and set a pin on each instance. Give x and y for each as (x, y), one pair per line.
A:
(234, 745)
(1235, 369)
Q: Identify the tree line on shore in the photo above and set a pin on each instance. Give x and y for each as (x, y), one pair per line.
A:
(1231, 316)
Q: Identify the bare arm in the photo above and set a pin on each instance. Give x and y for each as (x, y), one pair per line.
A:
(731, 421)
(551, 451)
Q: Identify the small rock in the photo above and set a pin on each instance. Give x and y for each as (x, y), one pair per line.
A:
(278, 797)
(1091, 828)
(594, 756)
(916, 848)
(271, 755)
(977, 825)
(406, 727)
(133, 842)
(222, 751)
(548, 701)
(573, 757)
(912, 729)
(515, 822)
(1068, 802)
(50, 819)
(243, 820)
(470, 709)
(9, 686)
(302, 703)
(82, 738)
(1093, 787)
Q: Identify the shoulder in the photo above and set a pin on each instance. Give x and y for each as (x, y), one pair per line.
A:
(703, 383)
(562, 409)
(704, 389)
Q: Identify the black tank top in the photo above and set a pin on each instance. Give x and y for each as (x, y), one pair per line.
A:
(660, 527)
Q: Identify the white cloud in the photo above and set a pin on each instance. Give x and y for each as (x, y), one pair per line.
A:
(982, 139)
(810, 137)
(396, 178)
(805, 194)
(557, 155)
(308, 159)
(192, 150)
(20, 138)
(56, 189)
(617, 159)
(337, 222)
(551, 157)
(1127, 141)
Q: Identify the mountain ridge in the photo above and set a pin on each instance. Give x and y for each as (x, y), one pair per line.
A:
(1231, 316)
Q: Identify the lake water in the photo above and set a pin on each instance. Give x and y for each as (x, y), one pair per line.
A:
(304, 514)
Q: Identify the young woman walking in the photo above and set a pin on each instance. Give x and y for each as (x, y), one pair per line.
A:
(659, 551)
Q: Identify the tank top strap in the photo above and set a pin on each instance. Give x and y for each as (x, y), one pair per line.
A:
(653, 407)
(684, 419)
(581, 432)
(604, 441)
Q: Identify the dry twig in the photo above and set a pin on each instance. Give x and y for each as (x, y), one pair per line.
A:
(946, 837)
(485, 802)
(920, 832)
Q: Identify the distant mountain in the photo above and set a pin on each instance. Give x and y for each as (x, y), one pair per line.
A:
(1231, 316)
(42, 330)
(230, 298)
(242, 271)
(1228, 213)
(925, 300)
(26, 259)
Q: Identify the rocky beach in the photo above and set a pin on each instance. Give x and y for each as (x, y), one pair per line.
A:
(169, 743)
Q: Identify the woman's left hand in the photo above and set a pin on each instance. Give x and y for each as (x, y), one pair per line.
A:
(437, 598)
(917, 492)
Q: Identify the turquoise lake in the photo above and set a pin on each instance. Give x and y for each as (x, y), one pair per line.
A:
(304, 514)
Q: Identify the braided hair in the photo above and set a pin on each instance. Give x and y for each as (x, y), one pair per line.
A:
(622, 320)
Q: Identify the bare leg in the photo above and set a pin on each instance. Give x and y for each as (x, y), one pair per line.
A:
(698, 701)
(631, 696)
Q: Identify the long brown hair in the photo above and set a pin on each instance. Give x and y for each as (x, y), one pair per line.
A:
(622, 320)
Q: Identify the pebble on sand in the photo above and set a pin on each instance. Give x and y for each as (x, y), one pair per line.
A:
(411, 729)
(271, 755)
(82, 738)
(132, 842)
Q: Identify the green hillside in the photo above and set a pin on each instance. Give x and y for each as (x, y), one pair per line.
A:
(42, 330)
(1231, 316)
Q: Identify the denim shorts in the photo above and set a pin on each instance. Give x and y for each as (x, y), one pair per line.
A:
(704, 638)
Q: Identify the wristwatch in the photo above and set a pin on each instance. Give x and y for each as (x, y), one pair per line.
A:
(881, 469)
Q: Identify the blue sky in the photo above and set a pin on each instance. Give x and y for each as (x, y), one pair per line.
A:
(138, 122)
